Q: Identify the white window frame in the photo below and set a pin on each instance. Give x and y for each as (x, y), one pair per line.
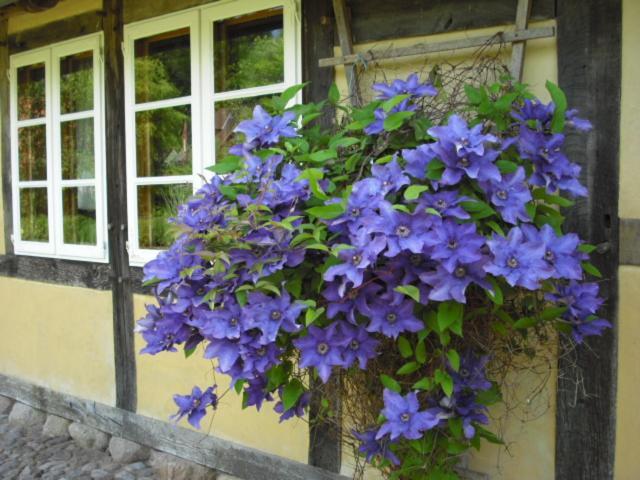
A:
(203, 98)
(54, 184)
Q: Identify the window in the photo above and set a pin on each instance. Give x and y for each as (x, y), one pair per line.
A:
(189, 78)
(57, 151)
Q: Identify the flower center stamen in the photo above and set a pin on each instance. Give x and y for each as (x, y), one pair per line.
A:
(355, 212)
(452, 244)
(356, 259)
(405, 417)
(441, 204)
(464, 161)
(502, 194)
(391, 318)
(460, 272)
(276, 315)
(403, 231)
(233, 322)
(512, 262)
(354, 345)
(322, 348)
(549, 256)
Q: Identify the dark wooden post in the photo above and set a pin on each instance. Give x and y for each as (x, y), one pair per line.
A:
(325, 446)
(5, 134)
(589, 69)
(121, 288)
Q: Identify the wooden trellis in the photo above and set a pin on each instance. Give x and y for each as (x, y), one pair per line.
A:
(518, 37)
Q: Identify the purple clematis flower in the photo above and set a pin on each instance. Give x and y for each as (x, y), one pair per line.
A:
(265, 130)
(410, 86)
(297, 410)
(390, 314)
(453, 285)
(371, 447)
(358, 345)
(464, 140)
(195, 405)
(322, 349)
(257, 393)
(561, 252)
(391, 176)
(445, 202)
(403, 417)
(471, 374)
(476, 166)
(403, 231)
(453, 244)
(270, 315)
(417, 160)
(519, 261)
(465, 406)
(510, 196)
(223, 322)
(365, 198)
(377, 126)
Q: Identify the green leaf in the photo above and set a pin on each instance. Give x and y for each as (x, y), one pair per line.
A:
(276, 376)
(473, 94)
(506, 166)
(422, 384)
(496, 295)
(238, 386)
(408, 368)
(343, 142)
(327, 212)
(454, 359)
(586, 248)
(560, 101)
(291, 92)
(390, 383)
(188, 352)
(410, 291)
(291, 393)
(313, 175)
(151, 282)
(591, 269)
(435, 169)
(525, 322)
(392, 102)
(449, 313)
(445, 381)
(552, 313)
(414, 191)
(421, 352)
(312, 314)
(489, 397)
(227, 165)
(323, 155)
(496, 228)
(404, 347)
(334, 94)
(395, 120)
(489, 436)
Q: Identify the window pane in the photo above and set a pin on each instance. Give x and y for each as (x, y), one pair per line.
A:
(156, 204)
(163, 66)
(31, 92)
(163, 142)
(32, 153)
(76, 82)
(227, 116)
(79, 215)
(77, 149)
(249, 50)
(34, 218)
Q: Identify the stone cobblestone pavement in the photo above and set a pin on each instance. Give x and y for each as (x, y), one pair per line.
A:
(25, 453)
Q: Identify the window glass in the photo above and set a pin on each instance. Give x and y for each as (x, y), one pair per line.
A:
(249, 50)
(31, 92)
(156, 204)
(76, 82)
(163, 66)
(79, 215)
(227, 115)
(163, 142)
(32, 153)
(77, 149)
(34, 217)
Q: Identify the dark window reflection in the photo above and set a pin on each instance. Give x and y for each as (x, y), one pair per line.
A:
(156, 204)
(77, 149)
(31, 92)
(34, 218)
(76, 82)
(32, 153)
(79, 215)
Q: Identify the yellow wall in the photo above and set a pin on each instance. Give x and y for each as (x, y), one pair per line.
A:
(21, 20)
(162, 375)
(627, 465)
(529, 429)
(58, 337)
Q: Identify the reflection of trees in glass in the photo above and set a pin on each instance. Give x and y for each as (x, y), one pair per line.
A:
(76, 82)
(160, 202)
(31, 92)
(249, 51)
(32, 153)
(227, 116)
(77, 149)
(79, 217)
(34, 221)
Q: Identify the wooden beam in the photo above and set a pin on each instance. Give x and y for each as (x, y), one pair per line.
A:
(589, 71)
(380, 20)
(518, 48)
(346, 48)
(427, 48)
(5, 135)
(123, 320)
(317, 42)
(58, 271)
(54, 32)
(208, 450)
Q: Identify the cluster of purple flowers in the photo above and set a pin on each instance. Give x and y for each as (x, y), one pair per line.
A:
(389, 253)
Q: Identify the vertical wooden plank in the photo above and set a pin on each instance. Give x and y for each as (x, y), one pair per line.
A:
(317, 42)
(589, 70)
(517, 50)
(5, 134)
(325, 449)
(346, 46)
(123, 321)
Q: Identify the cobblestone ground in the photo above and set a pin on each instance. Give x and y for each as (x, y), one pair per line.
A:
(25, 454)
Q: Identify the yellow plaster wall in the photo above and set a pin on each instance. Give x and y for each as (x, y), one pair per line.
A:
(58, 337)
(21, 20)
(627, 466)
(529, 428)
(162, 375)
